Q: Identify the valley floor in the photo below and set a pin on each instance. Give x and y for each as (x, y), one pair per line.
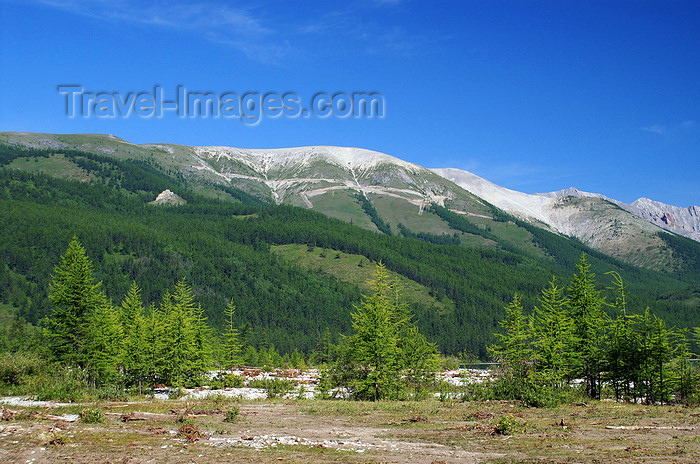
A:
(343, 431)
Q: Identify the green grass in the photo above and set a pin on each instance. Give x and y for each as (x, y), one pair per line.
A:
(346, 268)
(395, 210)
(56, 165)
(342, 205)
(512, 234)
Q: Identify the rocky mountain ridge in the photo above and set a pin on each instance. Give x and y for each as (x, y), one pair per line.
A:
(542, 207)
(328, 179)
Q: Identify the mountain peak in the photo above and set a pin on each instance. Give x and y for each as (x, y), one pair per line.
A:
(265, 159)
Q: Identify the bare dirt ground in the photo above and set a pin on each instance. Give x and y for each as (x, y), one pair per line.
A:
(344, 431)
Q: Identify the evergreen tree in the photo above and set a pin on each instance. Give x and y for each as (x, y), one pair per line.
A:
(553, 336)
(421, 360)
(202, 342)
(135, 340)
(659, 354)
(589, 320)
(296, 360)
(184, 344)
(374, 348)
(103, 347)
(232, 346)
(154, 342)
(250, 357)
(513, 347)
(622, 356)
(684, 378)
(75, 295)
(178, 349)
(325, 349)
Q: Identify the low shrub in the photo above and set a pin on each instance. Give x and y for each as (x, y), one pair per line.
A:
(232, 414)
(61, 384)
(529, 391)
(231, 381)
(274, 387)
(92, 416)
(508, 424)
(16, 367)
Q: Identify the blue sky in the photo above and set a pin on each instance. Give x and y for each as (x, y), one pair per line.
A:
(535, 96)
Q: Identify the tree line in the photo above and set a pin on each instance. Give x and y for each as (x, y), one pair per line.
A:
(574, 332)
(171, 342)
(568, 335)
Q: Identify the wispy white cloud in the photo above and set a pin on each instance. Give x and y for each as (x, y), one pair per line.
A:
(688, 126)
(264, 34)
(370, 29)
(656, 129)
(236, 26)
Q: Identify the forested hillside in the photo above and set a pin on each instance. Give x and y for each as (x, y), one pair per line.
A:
(222, 247)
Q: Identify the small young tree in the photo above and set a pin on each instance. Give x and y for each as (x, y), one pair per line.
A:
(420, 358)
(660, 352)
(374, 349)
(134, 328)
(154, 342)
(513, 347)
(232, 347)
(684, 378)
(622, 357)
(203, 350)
(103, 345)
(177, 353)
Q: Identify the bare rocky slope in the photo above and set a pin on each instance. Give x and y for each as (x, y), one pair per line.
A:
(626, 231)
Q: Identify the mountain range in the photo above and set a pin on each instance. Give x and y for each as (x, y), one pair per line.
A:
(327, 179)
(291, 235)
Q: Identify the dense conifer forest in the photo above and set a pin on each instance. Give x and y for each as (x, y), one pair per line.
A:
(221, 249)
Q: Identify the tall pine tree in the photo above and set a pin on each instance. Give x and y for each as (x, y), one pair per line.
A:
(589, 319)
(75, 295)
(553, 336)
(134, 328)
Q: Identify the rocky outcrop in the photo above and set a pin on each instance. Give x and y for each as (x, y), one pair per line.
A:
(684, 221)
(168, 198)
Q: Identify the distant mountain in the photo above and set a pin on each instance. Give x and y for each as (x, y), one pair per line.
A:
(400, 194)
(683, 221)
(626, 231)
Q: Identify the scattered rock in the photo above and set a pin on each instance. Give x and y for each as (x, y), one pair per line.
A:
(64, 418)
